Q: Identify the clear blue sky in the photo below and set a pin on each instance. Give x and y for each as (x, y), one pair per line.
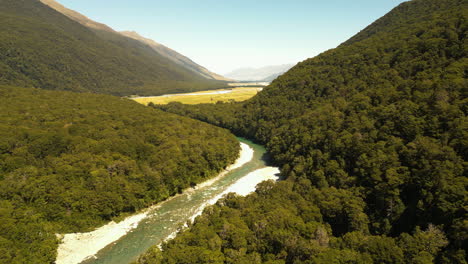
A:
(223, 35)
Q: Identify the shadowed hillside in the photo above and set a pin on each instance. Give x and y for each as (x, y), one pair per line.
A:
(372, 138)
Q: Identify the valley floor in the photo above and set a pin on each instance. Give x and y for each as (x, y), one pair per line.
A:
(211, 96)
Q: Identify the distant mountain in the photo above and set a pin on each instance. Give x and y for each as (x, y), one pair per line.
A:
(273, 77)
(267, 73)
(43, 48)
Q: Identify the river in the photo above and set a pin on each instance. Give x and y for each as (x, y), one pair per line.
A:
(163, 221)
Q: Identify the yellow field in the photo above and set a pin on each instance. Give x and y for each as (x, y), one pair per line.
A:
(213, 96)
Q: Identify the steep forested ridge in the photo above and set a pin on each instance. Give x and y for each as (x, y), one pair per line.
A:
(372, 137)
(70, 162)
(43, 48)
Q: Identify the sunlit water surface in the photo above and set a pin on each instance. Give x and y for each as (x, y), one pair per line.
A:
(164, 220)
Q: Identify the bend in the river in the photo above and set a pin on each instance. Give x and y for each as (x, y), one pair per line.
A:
(163, 221)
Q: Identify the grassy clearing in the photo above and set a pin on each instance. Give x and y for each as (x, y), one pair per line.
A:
(213, 96)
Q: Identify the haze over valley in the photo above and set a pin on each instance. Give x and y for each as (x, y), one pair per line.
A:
(265, 74)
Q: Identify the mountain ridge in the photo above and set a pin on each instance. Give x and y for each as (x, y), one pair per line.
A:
(159, 48)
(80, 18)
(175, 56)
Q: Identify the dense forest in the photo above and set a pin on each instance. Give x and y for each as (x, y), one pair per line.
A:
(43, 48)
(372, 138)
(71, 162)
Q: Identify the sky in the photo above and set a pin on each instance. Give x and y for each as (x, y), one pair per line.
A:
(223, 35)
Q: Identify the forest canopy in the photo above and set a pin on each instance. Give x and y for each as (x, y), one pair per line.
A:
(70, 162)
(372, 138)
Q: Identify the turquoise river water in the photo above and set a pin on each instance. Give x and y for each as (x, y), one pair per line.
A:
(164, 220)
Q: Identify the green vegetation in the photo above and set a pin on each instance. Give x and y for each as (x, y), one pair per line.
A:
(372, 138)
(70, 162)
(45, 49)
(204, 97)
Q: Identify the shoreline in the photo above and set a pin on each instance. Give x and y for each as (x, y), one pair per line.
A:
(243, 186)
(78, 247)
(245, 156)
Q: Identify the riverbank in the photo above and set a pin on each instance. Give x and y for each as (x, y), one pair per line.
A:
(78, 247)
(246, 154)
(244, 186)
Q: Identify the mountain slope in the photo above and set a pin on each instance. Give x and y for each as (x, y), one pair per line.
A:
(372, 138)
(43, 48)
(175, 56)
(159, 48)
(259, 74)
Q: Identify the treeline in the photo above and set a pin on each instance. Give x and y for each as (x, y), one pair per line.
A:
(71, 162)
(43, 48)
(372, 137)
